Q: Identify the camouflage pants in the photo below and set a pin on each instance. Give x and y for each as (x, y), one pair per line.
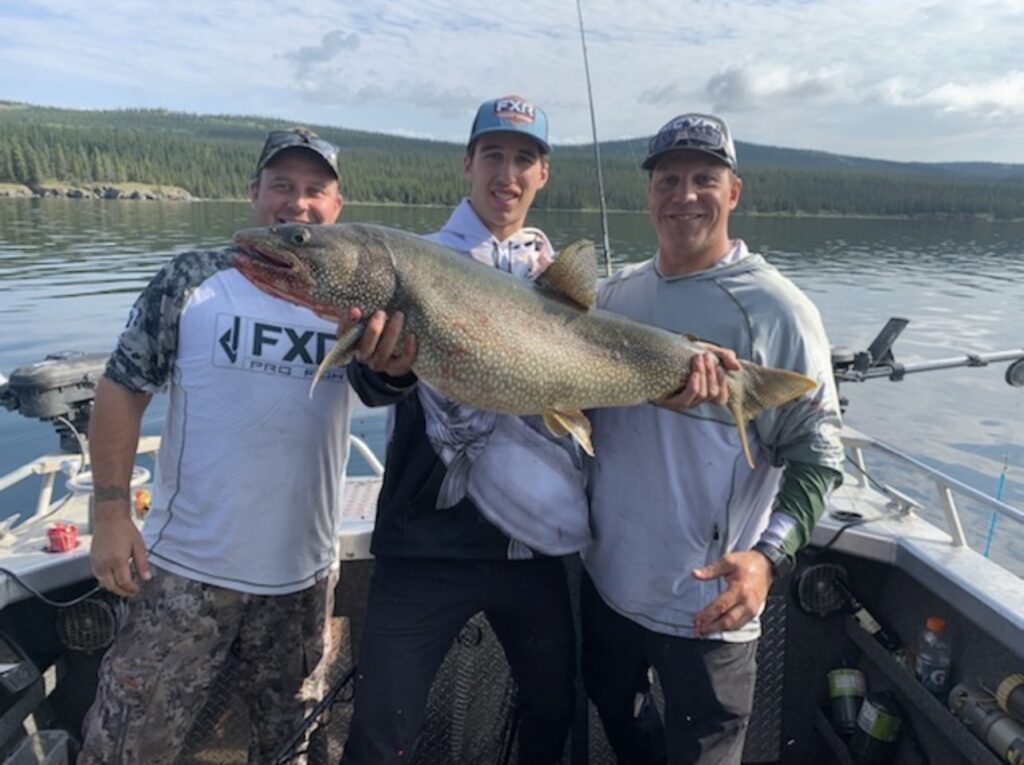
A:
(156, 676)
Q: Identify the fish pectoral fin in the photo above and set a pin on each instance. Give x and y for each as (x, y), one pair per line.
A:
(339, 355)
(740, 417)
(455, 485)
(570, 422)
(573, 274)
(754, 388)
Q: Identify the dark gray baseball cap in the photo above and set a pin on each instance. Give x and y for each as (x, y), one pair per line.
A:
(693, 132)
(298, 138)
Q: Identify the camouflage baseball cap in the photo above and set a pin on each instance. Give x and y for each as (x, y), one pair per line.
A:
(298, 138)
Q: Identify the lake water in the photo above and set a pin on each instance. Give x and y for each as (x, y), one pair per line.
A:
(70, 270)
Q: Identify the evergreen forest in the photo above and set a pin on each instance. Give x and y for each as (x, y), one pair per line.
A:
(213, 157)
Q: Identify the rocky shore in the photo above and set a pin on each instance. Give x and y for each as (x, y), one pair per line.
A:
(129, 191)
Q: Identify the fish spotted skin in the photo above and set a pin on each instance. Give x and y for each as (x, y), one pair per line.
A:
(486, 338)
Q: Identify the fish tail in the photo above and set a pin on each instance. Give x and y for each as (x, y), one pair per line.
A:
(755, 388)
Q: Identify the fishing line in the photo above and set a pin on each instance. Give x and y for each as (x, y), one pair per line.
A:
(1001, 483)
(597, 146)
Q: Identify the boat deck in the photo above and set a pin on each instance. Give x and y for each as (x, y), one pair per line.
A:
(900, 564)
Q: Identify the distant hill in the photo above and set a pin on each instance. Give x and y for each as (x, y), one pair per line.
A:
(757, 155)
(212, 156)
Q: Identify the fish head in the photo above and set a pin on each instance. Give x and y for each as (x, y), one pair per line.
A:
(308, 265)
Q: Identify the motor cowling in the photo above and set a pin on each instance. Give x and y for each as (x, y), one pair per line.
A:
(60, 389)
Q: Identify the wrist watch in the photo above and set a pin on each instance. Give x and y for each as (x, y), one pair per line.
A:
(781, 563)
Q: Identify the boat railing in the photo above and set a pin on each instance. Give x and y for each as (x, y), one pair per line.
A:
(367, 454)
(948, 488)
(50, 467)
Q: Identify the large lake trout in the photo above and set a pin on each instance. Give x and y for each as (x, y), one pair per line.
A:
(491, 340)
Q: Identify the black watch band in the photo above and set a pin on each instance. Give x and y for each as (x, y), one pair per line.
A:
(781, 563)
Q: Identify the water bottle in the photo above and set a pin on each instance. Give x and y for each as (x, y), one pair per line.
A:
(933, 657)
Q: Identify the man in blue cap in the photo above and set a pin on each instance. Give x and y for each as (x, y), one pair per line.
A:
(438, 566)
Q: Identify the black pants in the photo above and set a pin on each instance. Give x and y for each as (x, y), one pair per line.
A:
(708, 687)
(415, 611)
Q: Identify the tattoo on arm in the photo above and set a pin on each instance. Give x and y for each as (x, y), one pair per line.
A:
(110, 493)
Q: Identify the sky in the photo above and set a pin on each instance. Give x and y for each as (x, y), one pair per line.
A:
(906, 80)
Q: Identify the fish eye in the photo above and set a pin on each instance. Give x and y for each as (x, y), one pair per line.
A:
(300, 236)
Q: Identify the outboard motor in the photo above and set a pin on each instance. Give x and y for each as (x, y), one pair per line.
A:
(61, 389)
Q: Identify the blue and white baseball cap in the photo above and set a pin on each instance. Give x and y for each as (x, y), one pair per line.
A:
(511, 114)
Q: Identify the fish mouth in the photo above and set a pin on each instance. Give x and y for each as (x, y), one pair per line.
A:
(266, 257)
(276, 262)
(279, 273)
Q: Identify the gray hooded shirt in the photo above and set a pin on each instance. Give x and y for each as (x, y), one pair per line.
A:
(672, 492)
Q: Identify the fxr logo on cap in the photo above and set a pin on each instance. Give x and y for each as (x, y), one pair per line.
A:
(514, 109)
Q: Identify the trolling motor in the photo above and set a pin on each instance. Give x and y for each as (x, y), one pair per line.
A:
(60, 389)
(878, 361)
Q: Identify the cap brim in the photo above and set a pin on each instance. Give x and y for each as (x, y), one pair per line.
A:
(544, 145)
(653, 159)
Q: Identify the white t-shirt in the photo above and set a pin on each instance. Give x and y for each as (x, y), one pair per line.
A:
(249, 479)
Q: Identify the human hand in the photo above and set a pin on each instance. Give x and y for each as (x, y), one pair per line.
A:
(749, 576)
(116, 547)
(382, 347)
(706, 381)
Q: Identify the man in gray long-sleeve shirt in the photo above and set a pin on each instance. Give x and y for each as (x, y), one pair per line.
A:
(679, 572)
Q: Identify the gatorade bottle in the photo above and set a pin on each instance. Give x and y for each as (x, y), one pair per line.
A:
(933, 657)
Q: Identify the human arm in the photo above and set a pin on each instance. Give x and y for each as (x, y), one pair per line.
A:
(114, 436)
(801, 502)
(382, 371)
(140, 366)
(802, 438)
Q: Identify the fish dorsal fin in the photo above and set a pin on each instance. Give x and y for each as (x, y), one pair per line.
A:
(573, 274)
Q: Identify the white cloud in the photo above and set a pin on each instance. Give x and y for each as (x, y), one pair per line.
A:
(755, 87)
(1000, 97)
(997, 97)
(795, 73)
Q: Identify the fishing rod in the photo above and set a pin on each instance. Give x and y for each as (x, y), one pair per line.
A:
(597, 147)
(878, 360)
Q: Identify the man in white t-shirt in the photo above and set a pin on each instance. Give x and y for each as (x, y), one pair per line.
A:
(239, 549)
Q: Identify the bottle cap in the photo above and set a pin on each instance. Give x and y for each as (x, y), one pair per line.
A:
(936, 624)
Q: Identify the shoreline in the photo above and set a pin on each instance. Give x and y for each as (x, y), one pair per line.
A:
(156, 192)
(137, 192)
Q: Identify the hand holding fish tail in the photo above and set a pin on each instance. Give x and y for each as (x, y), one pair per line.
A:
(748, 576)
(706, 381)
(384, 346)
